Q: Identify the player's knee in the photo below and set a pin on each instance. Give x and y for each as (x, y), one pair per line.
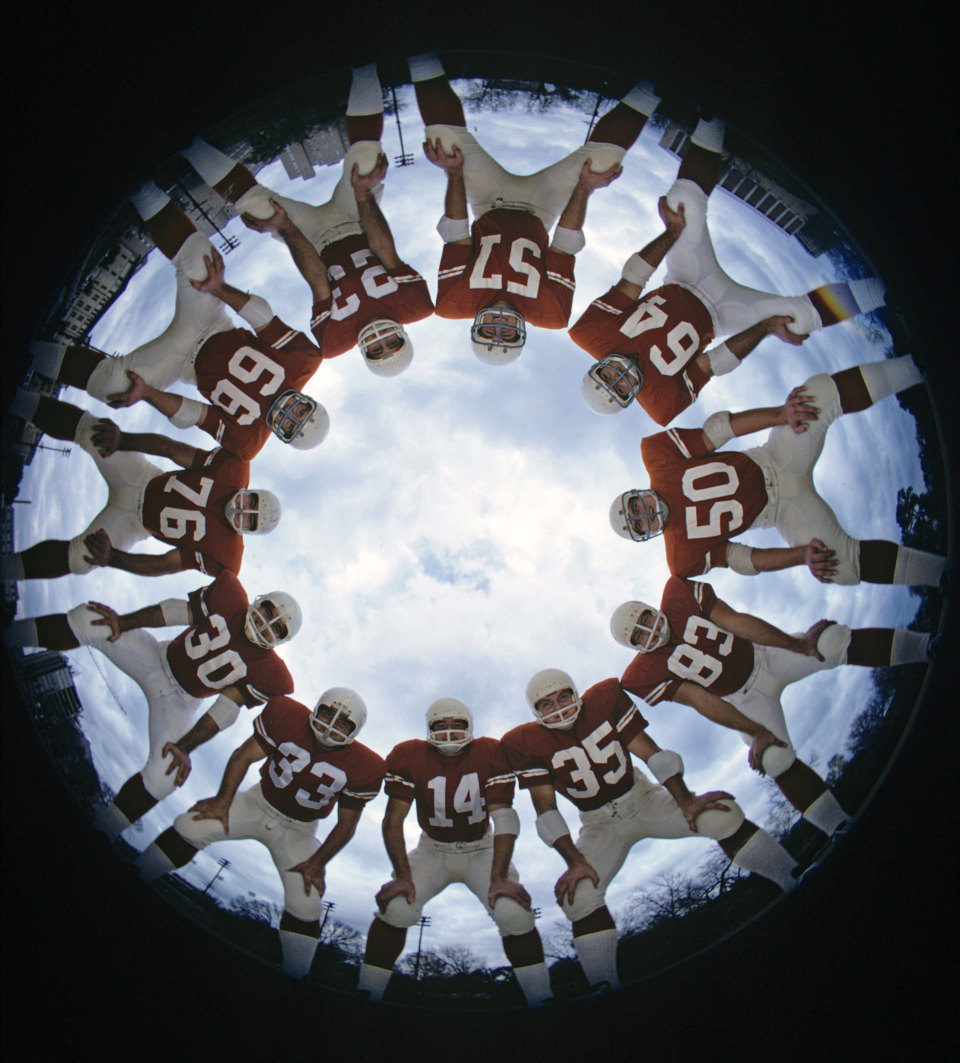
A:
(198, 832)
(604, 156)
(108, 378)
(586, 901)
(776, 760)
(833, 642)
(363, 154)
(512, 919)
(401, 914)
(154, 774)
(80, 620)
(298, 904)
(189, 259)
(76, 552)
(719, 825)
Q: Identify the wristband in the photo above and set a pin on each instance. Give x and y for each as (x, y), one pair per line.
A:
(188, 415)
(637, 270)
(551, 826)
(224, 712)
(718, 429)
(453, 229)
(665, 764)
(568, 241)
(176, 612)
(739, 558)
(505, 821)
(256, 312)
(722, 360)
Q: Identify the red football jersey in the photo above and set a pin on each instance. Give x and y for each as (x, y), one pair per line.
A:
(661, 333)
(242, 373)
(187, 508)
(509, 259)
(216, 654)
(452, 791)
(360, 290)
(590, 763)
(303, 780)
(710, 495)
(698, 650)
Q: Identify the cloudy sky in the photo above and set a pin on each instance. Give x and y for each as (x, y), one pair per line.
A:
(450, 537)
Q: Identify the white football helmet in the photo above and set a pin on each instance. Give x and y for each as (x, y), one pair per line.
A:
(498, 334)
(345, 707)
(379, 355)
(640, 627)
(270, 627)
(630, 517)
(551, 681)
(253, 512)
(611, 385)
(453, 708)
(297, 419)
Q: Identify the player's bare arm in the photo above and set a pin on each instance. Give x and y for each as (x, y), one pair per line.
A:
(216, 283)
(166, 402)
(202, 731)
(103, 555)
(575, 212)
(455, 200)
(149, 616)
(402, 882)
(372, 221)
(314, 867)
(796, 412)
(745, 342)
(303, 253)
(725, 714)
(500, 885)
(653, 254)
(821, 561)
(762, 633)
(544, 799)
(218, 807)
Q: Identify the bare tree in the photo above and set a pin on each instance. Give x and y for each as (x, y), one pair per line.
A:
(558, 941)
(461, 960)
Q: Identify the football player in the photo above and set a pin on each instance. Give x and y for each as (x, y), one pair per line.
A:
(459, 783)
(698, 499)
(363, 293)
(227, 649)
(202, 513)
(505, 273)
(253, 380)
(312, 764)
(581, 746)
(653, 347)
(732, 668)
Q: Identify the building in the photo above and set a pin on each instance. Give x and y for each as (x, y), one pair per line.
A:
(324, 146)
(48, 686)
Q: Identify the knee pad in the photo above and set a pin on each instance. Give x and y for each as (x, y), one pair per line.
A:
(448, 135)
(80, 620)
(586, 900)
(718, 825)
(833, 642)
(108, 378)
(401, 914)
(155, 779)
(198, 832)
(776, 760)
(363, 154)
(298, 904)
(603, 156)
(512, 919)
(79, 567)
(190, 256)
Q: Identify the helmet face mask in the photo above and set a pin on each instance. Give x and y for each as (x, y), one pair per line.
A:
(338, 717)
(253, 512)
(639, 514)
(611, 385)
(563, 702)
(447, 738)
(387, 349)
(297, 419)
(640, 627)
(498, 334)
(272, 619)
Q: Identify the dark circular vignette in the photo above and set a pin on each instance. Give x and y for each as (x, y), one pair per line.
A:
(92, 960)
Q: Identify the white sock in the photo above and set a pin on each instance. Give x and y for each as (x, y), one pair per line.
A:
(366, 95)
(598, 957)
(25, 404)
(20, 633)
(112, 822)
(890, 376)
(869, 293)
(826, 813)
(47, 357)
(535, 983)
(149, 200)
(374, 980)
(909, 647)
(424, 66)
(762, 855)
(153, 862)
(916, 568)
(298, 952)
(642, 98)
(211, 164)
(709, 135)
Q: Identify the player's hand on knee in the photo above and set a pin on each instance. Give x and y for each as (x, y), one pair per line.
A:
(135, 393)
(777, 326)
(809, 640)
(216, 273)
(798, 410)
(592, 180)
(106, 437)
(821, 561)
(109, 618)
(276, 223)
(312, 875)
(567, 883)
(366, 182)
(435, 153)
(504, 887)
(396, 887)
(180, 763)
(213, 808)
(100, 547)
(761, 743)
(674, 220)
(703, 802)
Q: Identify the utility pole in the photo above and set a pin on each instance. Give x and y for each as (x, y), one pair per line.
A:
(229, 242)
(404, 158)
(424, 921)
